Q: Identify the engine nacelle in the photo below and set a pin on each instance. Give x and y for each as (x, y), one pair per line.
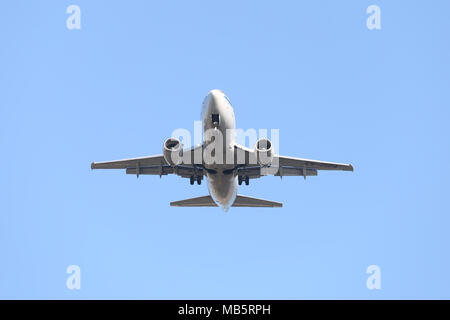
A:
(173, 151)
(264, 152)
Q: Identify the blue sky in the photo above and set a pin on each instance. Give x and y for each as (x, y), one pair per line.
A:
(137, 70)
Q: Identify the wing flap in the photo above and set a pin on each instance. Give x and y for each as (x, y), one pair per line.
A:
(257, 172)
(183, 171)
(293, 171)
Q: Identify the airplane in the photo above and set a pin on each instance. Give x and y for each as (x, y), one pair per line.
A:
(223, 177)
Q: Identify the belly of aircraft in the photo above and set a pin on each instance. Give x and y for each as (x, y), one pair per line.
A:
(223, 188)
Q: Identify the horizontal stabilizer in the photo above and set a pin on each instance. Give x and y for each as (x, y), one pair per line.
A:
(205, 201)
(241, 201)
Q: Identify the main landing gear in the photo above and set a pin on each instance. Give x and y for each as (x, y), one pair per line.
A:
(198, 179)
(245, 179)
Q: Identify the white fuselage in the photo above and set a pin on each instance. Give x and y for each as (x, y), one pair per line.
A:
(218, 114)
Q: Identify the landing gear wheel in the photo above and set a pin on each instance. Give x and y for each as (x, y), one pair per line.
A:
(247, 181)
(192, 180)
(239, 180)
(199, 180)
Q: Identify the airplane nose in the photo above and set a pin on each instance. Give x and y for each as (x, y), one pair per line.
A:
(216, 92)
(210, 104)
(213, 99)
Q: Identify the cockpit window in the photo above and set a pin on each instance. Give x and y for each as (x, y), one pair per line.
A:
(228, 100)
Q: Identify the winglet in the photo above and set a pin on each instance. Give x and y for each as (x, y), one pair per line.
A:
(350, 168)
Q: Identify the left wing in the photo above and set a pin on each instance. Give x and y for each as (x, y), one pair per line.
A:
(157, 160)
(154, 165)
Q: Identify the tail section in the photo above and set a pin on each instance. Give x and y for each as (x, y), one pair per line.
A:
(205, 201)
(241, 201)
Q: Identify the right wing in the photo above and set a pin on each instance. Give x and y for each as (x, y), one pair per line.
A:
(282, 165)
(311, 164)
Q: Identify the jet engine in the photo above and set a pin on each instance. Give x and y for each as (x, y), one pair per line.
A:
(264, 152)
(173, 151)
